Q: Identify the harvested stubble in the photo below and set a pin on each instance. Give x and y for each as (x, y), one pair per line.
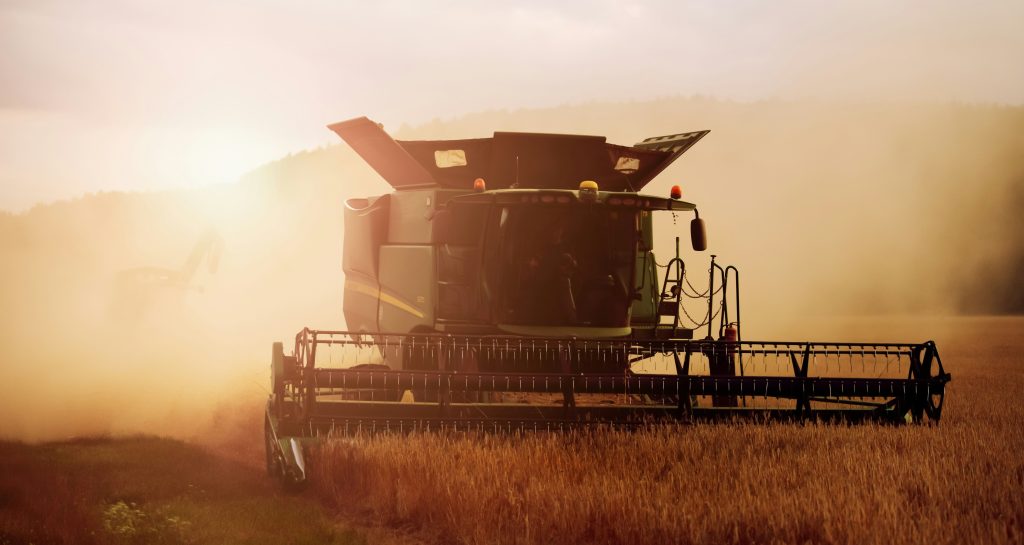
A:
(716, 483)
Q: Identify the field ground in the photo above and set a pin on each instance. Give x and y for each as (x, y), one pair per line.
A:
(959, 482)
(148, 490)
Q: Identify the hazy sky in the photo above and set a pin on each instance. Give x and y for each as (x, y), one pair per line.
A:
(140, 95)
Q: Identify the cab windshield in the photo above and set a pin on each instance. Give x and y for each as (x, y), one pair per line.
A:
(561, 265)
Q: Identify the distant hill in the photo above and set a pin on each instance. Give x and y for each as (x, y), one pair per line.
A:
(826, 209)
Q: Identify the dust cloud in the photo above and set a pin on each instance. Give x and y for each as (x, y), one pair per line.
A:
(827, 209)
(830, 208)
(88, 350)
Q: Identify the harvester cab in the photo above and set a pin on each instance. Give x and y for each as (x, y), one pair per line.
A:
(532, 235)
(510, 283)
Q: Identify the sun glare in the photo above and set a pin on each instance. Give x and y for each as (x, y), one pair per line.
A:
(205, 155)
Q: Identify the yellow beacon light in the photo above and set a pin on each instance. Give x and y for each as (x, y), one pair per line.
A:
(588, 191)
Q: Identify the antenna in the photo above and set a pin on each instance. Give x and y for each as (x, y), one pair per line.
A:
(516, 184)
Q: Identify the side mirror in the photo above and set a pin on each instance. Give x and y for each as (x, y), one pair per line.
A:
(698, 236)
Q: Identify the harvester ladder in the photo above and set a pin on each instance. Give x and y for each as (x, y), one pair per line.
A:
(672, 289)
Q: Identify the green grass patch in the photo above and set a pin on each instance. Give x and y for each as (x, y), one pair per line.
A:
(148, 490)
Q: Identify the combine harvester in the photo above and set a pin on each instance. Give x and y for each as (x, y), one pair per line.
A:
(509, 283)
(139, 291)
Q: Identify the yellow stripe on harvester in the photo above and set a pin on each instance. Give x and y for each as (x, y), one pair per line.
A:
(392, 300)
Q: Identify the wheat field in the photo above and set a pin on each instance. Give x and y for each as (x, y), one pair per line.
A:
(741, 482)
